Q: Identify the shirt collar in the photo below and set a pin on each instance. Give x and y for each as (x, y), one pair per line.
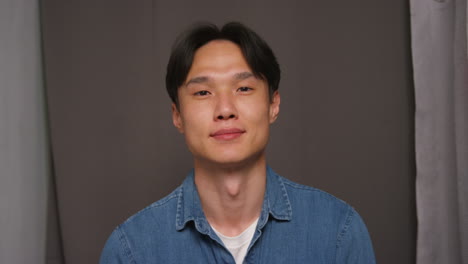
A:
(276, 203)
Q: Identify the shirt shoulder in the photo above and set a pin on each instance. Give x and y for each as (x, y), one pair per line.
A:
(317, 209)
(162, 206)
(160, 214)
(148, 226)
(311, 196)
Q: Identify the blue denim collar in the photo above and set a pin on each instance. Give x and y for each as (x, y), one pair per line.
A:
(276, 203)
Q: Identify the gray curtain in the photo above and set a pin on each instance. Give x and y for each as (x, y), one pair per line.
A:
(439, 37)
(24, 162)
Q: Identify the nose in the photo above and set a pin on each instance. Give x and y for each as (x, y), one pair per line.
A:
(225, 108)
(222, 117)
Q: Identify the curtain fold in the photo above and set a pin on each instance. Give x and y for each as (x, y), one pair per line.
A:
(24, 160)
(439, 45)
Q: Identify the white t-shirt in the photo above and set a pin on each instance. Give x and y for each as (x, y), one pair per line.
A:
(238, 245)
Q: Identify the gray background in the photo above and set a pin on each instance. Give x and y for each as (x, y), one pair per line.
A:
(345, 125)
(24, 149)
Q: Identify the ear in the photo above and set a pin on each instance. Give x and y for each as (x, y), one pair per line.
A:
(177, 119)
(274, 106)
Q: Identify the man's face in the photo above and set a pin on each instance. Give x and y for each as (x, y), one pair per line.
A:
(224, 111)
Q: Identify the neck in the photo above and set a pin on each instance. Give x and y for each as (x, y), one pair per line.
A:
(231, 197)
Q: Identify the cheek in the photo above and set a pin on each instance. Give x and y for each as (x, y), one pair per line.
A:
(256, 111)
(258, 121)
(194, 119)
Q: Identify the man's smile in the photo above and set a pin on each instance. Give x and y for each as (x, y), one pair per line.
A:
(227, 133)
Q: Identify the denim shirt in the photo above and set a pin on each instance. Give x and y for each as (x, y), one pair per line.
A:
(297, 224)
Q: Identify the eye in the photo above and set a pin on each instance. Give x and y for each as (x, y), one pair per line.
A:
(244, 89)
(202, 93)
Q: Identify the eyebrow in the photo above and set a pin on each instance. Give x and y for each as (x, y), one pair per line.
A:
(203, 79)
(200, 79)
(243, 75)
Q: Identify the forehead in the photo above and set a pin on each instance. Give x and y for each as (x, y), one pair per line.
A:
(218, 56)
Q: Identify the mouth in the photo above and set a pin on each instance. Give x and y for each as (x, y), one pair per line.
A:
(227, 134)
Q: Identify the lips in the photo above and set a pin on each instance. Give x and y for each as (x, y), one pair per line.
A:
(227, 133)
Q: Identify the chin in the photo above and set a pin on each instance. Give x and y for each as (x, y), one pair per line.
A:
(229, 155)
(228, 160)
(236, 159)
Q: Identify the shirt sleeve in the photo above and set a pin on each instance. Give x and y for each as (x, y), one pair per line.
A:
(116, 250)
(354, 245)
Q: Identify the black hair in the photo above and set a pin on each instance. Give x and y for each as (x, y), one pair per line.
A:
(256, 51)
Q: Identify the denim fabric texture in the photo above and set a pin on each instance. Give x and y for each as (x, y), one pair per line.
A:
(297, 224)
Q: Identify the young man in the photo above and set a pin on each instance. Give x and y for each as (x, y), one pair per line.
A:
(233, 208)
